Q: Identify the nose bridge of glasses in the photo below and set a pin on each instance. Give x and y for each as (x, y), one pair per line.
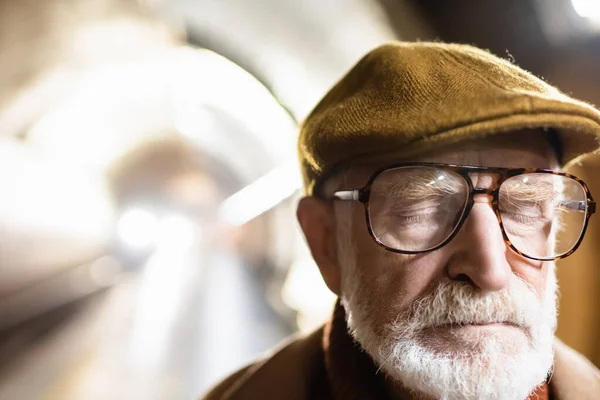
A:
(484, 182)
(485, 191)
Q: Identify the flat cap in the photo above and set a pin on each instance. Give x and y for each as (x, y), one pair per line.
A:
(405, 98)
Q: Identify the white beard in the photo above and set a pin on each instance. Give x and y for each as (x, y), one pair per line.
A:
(480, 367)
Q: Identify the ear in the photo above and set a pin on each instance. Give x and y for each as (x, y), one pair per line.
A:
(317, 221)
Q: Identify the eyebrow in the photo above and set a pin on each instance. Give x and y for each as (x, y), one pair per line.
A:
(535, 191)
(415, 186)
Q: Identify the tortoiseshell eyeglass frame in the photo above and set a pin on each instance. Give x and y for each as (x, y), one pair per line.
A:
(363, 194)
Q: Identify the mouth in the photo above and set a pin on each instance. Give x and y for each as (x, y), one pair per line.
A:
(482, 324)
(459, 333)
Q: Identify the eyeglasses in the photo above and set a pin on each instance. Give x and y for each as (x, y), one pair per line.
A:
(419, 207)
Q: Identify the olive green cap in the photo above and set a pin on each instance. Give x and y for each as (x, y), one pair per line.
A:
(405, 98)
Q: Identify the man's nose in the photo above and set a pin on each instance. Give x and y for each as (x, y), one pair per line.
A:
(479, 251)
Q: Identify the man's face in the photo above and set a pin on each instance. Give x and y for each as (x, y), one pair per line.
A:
(472, 319)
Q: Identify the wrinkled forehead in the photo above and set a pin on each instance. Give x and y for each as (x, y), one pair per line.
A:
(521, 149)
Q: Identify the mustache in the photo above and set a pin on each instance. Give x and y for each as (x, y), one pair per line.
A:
(459, 303)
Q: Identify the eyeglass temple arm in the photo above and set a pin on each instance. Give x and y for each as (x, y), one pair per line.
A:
(347, 195)
(579, 205)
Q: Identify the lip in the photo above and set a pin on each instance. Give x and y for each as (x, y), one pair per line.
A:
(482, 324)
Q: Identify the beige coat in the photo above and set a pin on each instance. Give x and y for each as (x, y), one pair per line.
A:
(283, 374)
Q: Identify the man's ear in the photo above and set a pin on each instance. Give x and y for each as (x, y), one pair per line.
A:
(317, 221)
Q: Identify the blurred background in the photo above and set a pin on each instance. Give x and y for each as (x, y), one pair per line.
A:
(148, 241)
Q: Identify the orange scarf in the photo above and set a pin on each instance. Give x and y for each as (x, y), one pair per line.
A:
(541, 393)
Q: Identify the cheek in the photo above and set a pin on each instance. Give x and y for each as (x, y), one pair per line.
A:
(390, 282)
(535, 273)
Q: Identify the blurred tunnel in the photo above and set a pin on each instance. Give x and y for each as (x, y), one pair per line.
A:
(148, 243)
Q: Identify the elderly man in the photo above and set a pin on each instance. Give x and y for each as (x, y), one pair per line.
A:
(436, 210)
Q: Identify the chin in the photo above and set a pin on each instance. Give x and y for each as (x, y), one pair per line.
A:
(471, 339)
(484, 372)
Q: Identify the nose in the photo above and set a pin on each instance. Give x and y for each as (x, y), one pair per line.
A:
(479, 253)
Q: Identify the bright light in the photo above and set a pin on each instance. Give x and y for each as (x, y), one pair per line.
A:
(140, 229)
(176, 232)
(261, 195)
(587, 9)
(137, 228)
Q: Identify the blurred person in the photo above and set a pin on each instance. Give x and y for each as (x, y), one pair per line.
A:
(435, 210)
